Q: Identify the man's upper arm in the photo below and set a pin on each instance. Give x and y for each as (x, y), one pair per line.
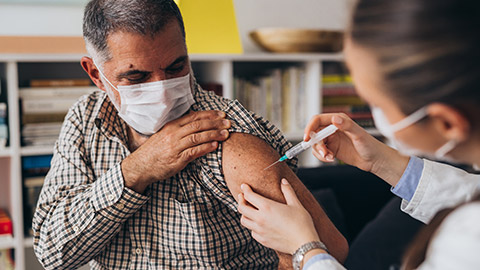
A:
(244, 159)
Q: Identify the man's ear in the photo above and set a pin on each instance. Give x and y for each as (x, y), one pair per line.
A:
(449, 121)
(92, 71)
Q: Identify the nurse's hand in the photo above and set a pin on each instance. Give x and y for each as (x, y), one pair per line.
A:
(356, 147)
(282, 227)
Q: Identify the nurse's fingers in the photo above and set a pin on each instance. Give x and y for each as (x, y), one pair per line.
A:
(348, 126)
(289, 194)
(248, 223)
(340, 120)
(317, 122)
(253, 198)
(329, 156)
(246, 209)
(321, 152)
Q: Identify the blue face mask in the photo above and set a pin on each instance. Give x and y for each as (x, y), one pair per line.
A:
(388, 130)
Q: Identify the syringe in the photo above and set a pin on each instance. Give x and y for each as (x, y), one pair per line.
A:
(300, 147)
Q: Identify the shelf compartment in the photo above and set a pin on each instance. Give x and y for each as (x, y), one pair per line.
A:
(7, 242)
(5, 152)
(28, 242)
(36, 150)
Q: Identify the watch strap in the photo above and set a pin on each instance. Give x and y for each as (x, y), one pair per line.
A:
(298, 256)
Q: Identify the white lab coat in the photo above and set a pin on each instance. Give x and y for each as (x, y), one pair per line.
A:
(456, 244)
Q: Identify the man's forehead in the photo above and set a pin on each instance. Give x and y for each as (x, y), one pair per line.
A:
(161, 49)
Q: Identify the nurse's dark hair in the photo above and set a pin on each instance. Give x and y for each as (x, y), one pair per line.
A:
(145, 17)
(428, 50)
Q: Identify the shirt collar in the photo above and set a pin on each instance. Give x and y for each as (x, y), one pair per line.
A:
(109, 122)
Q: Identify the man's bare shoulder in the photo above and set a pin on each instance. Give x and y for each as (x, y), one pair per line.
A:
(245, 157)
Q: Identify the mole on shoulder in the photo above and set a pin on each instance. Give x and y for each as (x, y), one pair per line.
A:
(234, 167)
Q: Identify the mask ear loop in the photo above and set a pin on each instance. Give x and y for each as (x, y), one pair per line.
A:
(103, 75)
(109, 91)
(409, 120)
(446, 148)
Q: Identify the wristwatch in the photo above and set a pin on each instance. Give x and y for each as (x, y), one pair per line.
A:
(297, 258)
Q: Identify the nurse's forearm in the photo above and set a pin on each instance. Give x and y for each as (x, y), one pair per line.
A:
(391, 166)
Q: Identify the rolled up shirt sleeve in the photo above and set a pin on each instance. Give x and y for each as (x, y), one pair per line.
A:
(78, 213)
(408, 183)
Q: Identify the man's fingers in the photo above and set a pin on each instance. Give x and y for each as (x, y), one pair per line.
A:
(193, 153)
(204, 125)
(203, 137)
(194, 116)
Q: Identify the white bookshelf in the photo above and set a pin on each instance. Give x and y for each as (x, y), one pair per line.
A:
(214, 68)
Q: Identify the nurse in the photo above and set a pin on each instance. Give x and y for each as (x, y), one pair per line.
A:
(417, 63)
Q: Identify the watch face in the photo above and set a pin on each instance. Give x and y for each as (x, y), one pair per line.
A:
(297, 259)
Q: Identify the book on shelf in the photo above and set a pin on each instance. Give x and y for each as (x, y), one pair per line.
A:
(59, 82)
(279, 97)
(6, 226)
(44, 109)
(217, 88)
(32, 187)
(36, 165)
(73, 92)
(6, 239)
(6, 259)
(34, 169)
(339, 95)
(3, 125)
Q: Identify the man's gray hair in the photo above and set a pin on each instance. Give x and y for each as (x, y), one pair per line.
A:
(146, 17)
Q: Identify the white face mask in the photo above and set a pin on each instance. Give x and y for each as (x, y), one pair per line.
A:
(147, 107)
(388, 130)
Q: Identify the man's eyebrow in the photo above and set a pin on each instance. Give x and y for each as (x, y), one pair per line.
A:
(132, 72)
(178, 60)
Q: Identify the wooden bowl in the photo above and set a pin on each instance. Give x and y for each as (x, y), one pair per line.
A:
(291, 40)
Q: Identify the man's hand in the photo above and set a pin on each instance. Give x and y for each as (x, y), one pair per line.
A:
(174, 146)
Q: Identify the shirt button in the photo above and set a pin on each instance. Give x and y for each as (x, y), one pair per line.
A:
(120, 206)
(111, 197)
(138, 251)
(75, 228)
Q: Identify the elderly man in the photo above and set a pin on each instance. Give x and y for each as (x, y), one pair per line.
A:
(146, 173)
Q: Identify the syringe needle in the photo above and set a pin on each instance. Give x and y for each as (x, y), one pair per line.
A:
(271, 165)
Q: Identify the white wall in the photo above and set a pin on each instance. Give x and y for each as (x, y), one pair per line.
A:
(49, 20)
(40, 20)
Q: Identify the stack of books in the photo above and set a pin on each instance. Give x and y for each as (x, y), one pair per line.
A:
(34, 170)
(44, 107)
(279, 97)
(339, 96)
(6, 227)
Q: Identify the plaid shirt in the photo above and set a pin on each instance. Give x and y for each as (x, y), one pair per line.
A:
(190, 221)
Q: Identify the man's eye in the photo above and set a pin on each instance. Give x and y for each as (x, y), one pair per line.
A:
(136, 78)
(174, 70)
